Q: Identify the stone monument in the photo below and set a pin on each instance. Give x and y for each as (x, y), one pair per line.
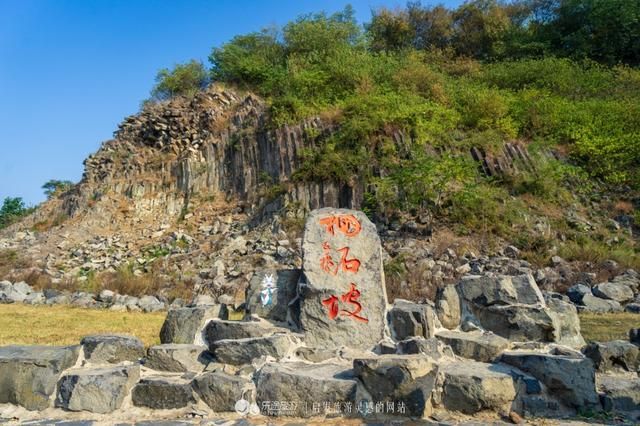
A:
(342, 291)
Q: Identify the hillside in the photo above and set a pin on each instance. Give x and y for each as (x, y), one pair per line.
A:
(455, 155)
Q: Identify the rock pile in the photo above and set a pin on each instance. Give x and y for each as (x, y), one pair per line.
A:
(328, 344)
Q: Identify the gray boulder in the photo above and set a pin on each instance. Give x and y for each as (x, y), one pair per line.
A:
(269, 293)
(566, 323)
(99, 390)
(303, 384)
(245, 351)
(177, 357)
(342, 295)
(577, 292)
(408, 319)
(614, 355)
(471, 386)
(28, 374)
(150, 304)
(432, 347)
(632, 308)
(163, 393)
(112, 348)
(570, 377)
(477, 345)
(591, 303)
(35, 298)
(613, 291)
(222, 330)
(634, 336)
(485, 290)
(220, 391)
(620, 393)
(448, 307)
(407, 378)
(23, 288)
(184, 325)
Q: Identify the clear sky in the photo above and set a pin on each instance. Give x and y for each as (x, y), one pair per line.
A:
(71, 70)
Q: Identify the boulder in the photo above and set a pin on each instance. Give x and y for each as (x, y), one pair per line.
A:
(591, 303)
(613, 291)
(270, 292)
(632, 308)
(163, 393)
(488, 290)
(315, 354)
(150, 304)
(184, 325)
(112, 348)
(471, 386)
(28, 374)
(433, 347)
(98, 390)
(35, 298)
(342, 296)
(518, 322)
(408, 319)
(177, 357)
(23, 288)
(223, 330)
(614, 355)
(620, 393)
(577, 292)
(570, 376)
(106, 296)
(448, 307)
(245, 351)
(301, 385)
(477, 345)
(566, 323)
(634, 336)
(221, 391)
(407, 378)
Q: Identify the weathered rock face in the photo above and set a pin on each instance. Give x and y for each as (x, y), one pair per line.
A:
(245, 351)
(613, 291)
(223, 330)
(184, 325)
(469, 387)
(408, 319)
(566, 323)
(433, 347)
(484, 347)
(620, 393)
(301, 385)
(342, 296)
(28, 374)
(269, 293)
(571, 378)
(112, 348)
(448, 307)
(220, 391)
(177, 357)
(99, 390)
(162, 393)
(614, 355)
(406, 378)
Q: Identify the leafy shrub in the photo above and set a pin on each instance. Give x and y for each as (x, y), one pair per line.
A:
(183, 80)
(12, 210)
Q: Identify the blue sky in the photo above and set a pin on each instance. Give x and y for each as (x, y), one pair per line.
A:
(71, 70)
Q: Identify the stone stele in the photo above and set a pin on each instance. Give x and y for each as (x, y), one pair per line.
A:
(342, 291)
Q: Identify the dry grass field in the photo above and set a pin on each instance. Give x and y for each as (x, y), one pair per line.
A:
(606, 327)
(64, 325)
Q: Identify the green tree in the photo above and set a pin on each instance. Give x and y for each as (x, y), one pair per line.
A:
(183, 80)
(13, 208)
(54, 187)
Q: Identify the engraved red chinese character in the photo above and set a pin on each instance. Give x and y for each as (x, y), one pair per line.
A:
(332, 304)
(346, 223)
(347, 265)
(350, 297)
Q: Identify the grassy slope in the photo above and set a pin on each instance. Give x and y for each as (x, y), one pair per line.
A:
(606, 327)
(63, 325)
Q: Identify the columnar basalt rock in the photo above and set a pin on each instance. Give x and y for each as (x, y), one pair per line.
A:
(342, 293)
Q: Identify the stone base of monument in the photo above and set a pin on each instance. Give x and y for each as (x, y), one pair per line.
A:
(333, 348)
